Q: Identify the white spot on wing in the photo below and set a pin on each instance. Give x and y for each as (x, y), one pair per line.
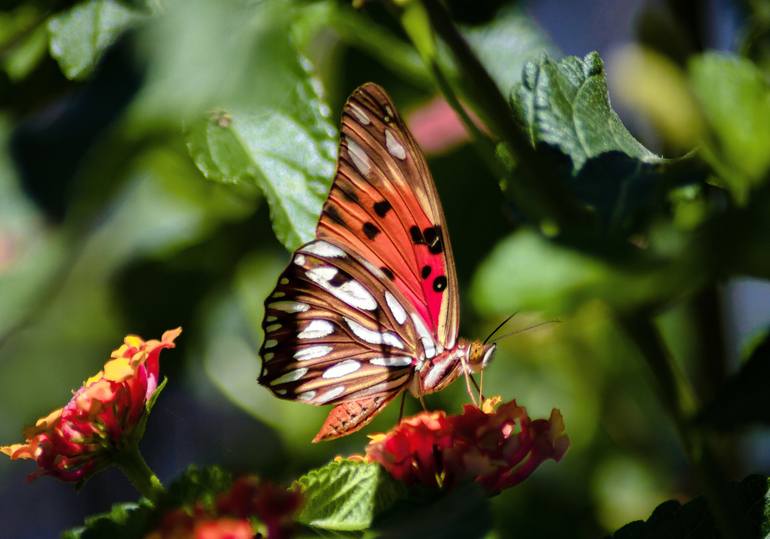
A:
(268, 356)
(324, 248)
(342, 369)
(394, 361)
(270, 343)
(395, 307)
(331, 394)
(312, 352)
(272, 327)
(284, 280)
(351, 292)
(394, 146)
(437, 371)
(359, 114)
(425, 337)
(316, 329)
(289, 306)
(373, 337)
(359, 158)
(291, 376)
(299, 260)
(306, 396)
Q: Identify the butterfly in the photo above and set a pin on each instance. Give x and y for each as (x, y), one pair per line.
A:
(370, 308)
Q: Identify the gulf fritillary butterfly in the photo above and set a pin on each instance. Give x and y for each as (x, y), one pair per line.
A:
(369, 308)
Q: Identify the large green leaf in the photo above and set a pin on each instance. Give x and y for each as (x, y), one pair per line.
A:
(735, 98)
(281, 142)
(566, 104)
(122, 521)
(23, 40)
(346, 496)
(530, 273)
(80, 35)
(672, 519)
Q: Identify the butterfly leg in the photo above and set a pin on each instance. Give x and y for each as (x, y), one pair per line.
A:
(401, 408)
(422, 401)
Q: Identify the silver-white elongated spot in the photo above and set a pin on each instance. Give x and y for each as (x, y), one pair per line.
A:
(299, 260)
(312, 352)
(291, 376)
(324, 248)
(392, 361)
(359, 114)
(342, 368)
(351, 292)
(289, 306)
(331, 394)
(373, 337)
(425, 337)
(437, 371)
(316, 329)
(394, 146)
(395, 307)
(306, 396)
(359, 158)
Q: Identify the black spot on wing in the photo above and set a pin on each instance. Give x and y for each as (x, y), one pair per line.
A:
(426, 271)
(416, 233)
(382, 208)
(339, 279)
(439, 283)
(334, 215)
(433, 238)
(388, 273)
(371, 230)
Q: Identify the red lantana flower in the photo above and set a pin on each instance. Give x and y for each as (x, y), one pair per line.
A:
(498, 446)
(229, 516)
(103, 417)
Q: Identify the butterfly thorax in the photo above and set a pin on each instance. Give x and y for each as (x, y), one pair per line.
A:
(435, 374)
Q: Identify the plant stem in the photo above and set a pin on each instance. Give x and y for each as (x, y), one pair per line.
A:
(535, 187)
(676, 396)
(133, 466)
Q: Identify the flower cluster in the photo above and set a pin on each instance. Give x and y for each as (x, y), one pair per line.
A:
(103, 417)
(229, 517)
(498, 446)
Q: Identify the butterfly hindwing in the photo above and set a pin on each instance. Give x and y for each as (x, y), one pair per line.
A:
(335, 330)
(384, 207)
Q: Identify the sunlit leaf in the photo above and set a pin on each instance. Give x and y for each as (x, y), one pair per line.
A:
(346, 496)
(80, 35)
(566, 104)
(735, 99)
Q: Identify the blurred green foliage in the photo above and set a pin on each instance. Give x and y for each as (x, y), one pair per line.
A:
(181, 199)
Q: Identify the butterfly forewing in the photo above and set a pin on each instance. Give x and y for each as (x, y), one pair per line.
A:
(383, 206)
(335, 330)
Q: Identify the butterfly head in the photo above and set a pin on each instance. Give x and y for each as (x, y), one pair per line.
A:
(480, 355)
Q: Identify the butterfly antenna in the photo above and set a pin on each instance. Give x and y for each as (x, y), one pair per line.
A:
(501, 324)
(535, 326)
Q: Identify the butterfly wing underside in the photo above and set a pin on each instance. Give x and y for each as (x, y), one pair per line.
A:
(357, 309)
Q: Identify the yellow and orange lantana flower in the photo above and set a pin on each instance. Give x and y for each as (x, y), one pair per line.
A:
(102, 418)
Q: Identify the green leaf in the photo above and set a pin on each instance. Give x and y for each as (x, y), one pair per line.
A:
(123, 521)
(23, 40)
(346, 496)
(526, 272)
(735, 99)
(196, 485)
(287, 151)
(566, 104)
(693, 519)
(507, 43)
(80, 35)
(743, 399)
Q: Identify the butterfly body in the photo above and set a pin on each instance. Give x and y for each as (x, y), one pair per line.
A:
(370, 307)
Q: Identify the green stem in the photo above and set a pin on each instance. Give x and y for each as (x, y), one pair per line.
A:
(677, 396)
(133, 466)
